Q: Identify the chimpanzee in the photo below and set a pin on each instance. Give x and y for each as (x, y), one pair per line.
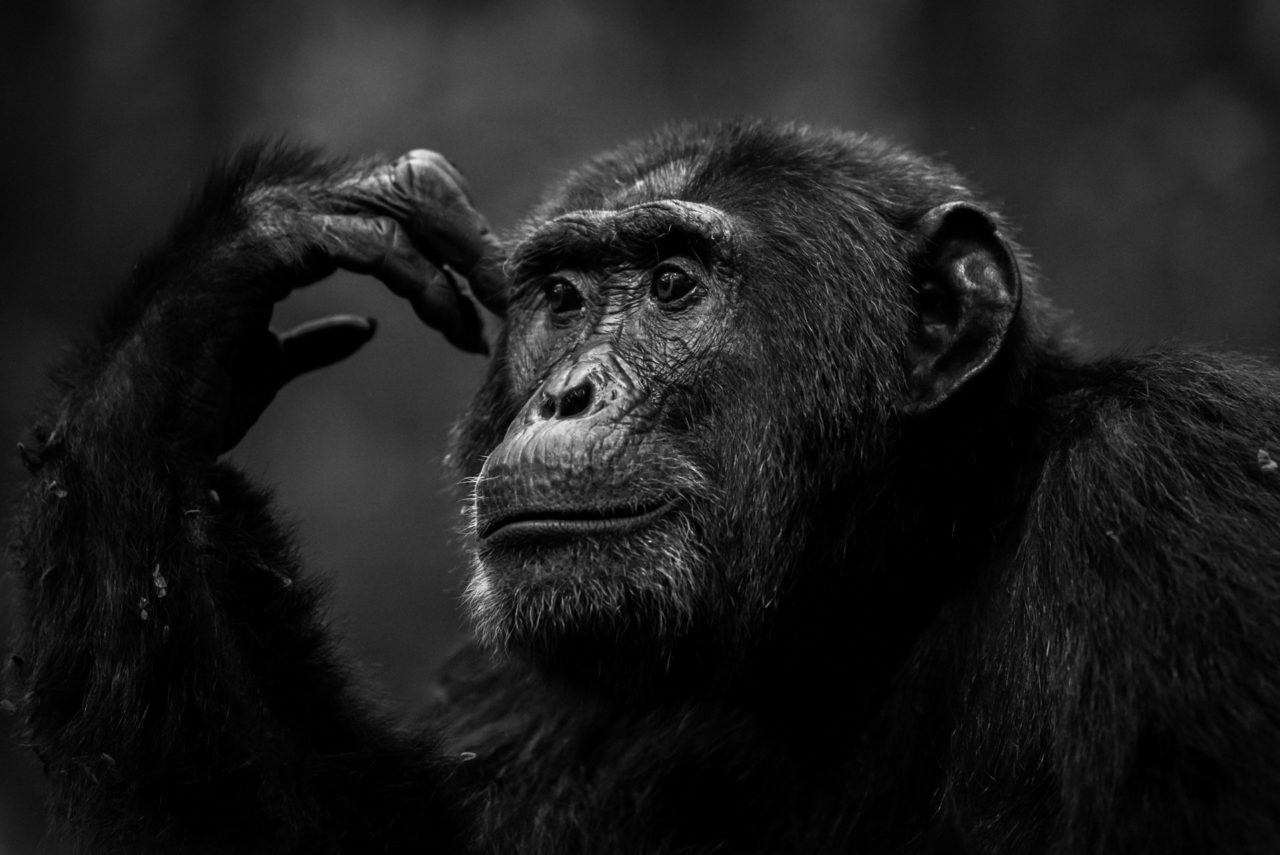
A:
(798, 524)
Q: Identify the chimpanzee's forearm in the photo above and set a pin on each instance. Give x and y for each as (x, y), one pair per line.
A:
(174, 672)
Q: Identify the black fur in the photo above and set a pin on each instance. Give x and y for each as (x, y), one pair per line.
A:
(1040, 617)
(177, 678)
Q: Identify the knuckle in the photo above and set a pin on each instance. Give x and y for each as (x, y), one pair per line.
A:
(387, 229)
(425, 155)
(391, 239)
(431, 166)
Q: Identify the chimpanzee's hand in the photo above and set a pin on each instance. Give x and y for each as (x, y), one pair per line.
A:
(172, 655)
(408, 223)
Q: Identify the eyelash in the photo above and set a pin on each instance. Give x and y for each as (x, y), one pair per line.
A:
(661, 280)
(670, 285)
(561, 297)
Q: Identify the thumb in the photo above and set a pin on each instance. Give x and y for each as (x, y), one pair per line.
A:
(272, 360)
(322, 342)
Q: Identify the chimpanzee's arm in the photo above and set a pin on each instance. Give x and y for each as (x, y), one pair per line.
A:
(174, 672)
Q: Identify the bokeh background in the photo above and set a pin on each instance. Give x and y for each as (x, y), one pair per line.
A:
(1137, 144)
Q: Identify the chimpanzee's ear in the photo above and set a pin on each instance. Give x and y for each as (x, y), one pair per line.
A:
(967, 294)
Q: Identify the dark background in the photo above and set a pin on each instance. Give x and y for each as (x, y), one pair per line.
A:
(1136, 144)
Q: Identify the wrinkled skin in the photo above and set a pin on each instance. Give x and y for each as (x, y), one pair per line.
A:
(598, 481)
(175, 668)
(652, 455)
(408, 223)
(798, 525)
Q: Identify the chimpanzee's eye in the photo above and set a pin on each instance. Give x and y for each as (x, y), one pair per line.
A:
(670, 284)
(562, 298)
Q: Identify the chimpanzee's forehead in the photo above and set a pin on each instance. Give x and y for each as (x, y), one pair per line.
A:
(641, 232)
(621, 183)
(666, 180)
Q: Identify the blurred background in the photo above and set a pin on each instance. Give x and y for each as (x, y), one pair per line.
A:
(1135, 143)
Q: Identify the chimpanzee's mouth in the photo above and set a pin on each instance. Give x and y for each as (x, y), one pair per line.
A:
(539, 523)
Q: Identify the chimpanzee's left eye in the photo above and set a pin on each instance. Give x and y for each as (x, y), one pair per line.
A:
(670, 284)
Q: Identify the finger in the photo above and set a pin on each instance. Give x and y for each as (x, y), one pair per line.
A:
(323, 342)
(256, 376)
(459, 234)
(442, 219)
(488, 278)
(430, 197)
(439, 161)
(380, 246)
(442, 306)
(268, 361)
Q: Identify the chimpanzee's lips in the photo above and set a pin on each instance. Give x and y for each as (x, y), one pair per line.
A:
(540, 523)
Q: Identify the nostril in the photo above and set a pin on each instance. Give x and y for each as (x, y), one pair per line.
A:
(574, 401)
